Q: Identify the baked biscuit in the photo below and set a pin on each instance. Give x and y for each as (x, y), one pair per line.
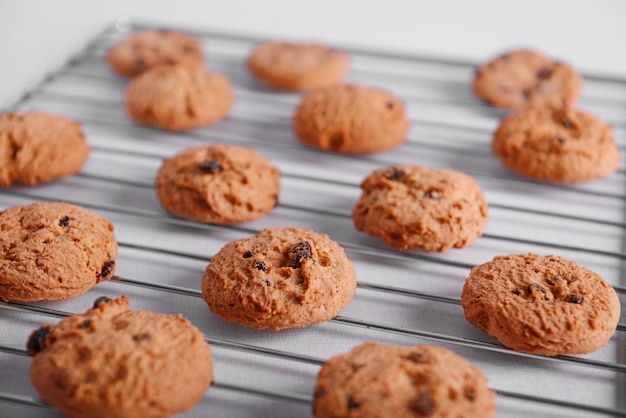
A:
(279, 278)
(221, 184)
(524, 78)
(351, 119)
(178, 97)
(112, 362)
(296, 65)
(556, 145)
(418, 207)
(37, 147)
(53, 251)
(541, 304)
(379, 380)
(146, 49)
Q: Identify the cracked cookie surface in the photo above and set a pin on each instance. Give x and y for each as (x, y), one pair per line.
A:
(279, 278)
(53, 251)
(378, 380)
(112, 362)
(541, 304)
(178, 97)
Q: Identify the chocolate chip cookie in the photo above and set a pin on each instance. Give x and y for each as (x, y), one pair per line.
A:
(280, 278)
(419, 207)
(541, 304)
(115, 362)
(379, 380)
(53, 251)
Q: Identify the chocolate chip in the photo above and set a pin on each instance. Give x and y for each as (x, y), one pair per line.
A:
(534, 287)
(576, 298)
(518, 292)
(210, 166)
(267, 283)
(394, 174)
(352, 404)
(247, 254)
(356, 367)
(187, 49)
(107, 268)
(86, 323)
(469, 393)
(561, 140)
(37, 338)
(544, 73)
(423, 405)
(101, 299)
(415, 357)
(389, 105)
(567, 122)
(142, 337)
(259, 265)
(552, 281)
(140, 64)
(301, 251)
(319, 393)
(432, 194)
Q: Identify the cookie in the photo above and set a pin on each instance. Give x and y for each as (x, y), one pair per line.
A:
(379, 380)
(541, 304)
(53, 251)
(220, 184)
(147, 49)
(114, 362)
(297, 65)
(178, 97)
(37, 147)
(524, 78)
(351, 119)
(279, 278)
(418, 207)
(556, 145)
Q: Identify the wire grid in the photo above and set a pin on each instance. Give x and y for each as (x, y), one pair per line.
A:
(405, 298)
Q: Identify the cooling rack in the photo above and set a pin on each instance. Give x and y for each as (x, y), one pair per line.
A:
(404, 298)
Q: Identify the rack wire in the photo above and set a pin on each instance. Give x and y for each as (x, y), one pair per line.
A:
(406, 298)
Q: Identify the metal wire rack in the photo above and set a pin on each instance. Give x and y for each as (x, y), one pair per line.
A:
(404, 298)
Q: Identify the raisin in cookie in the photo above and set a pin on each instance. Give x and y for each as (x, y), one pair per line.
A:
(53, 251)
(146, 49)
(524, 78)
(556, 145)
(541, 305)
(419, 207)
(379, 380)
(112, 362)
(37, 147)
(297, 66)
(351, 119)
(178, 97)
(222, 184)
(279, 278)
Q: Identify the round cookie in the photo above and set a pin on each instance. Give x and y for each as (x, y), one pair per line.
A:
(146, 49)
(112, 362)
(297, 66)
(37, 147)
(178, 97)
(541, 304)
(53, 251)
(556, 145)
(418, 207)
(279, 278)
(524, 78)
(351, 119)
(379, 380)
(222, 184)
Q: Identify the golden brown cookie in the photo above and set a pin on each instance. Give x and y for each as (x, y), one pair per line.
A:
(222, 184)
(112, 362)
(379, 380)
(556, 145)
(541, 304)
(279, 278)
(351, 119)
(37, 147)
(524, 78)
(146, 49)
(418, 207)
(178, 97)
(297, 65)
(53, 251)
